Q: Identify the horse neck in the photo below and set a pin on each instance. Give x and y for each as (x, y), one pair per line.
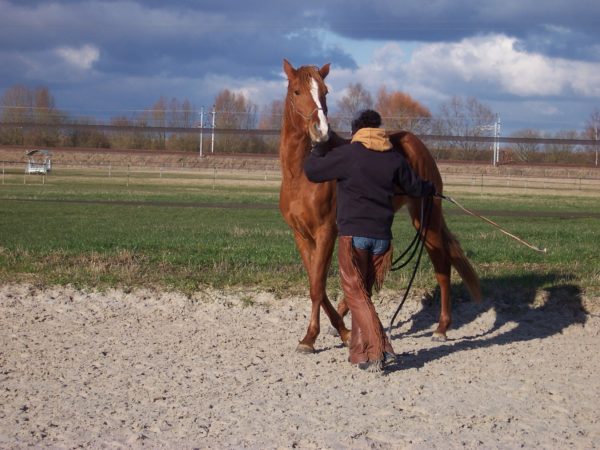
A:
(294, 144)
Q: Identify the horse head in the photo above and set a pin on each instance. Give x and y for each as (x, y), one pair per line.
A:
(306, 99)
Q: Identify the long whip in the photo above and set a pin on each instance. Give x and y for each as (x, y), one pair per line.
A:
(422, 232)
(485, 219)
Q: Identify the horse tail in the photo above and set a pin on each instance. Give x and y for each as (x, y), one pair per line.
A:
(422, 162)
(460, 262)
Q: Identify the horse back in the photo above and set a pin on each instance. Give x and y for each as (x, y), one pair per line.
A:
(418, 156)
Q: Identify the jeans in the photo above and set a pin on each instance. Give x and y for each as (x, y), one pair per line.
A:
(374, 246)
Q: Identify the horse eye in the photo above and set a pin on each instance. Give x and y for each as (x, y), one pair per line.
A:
(297, 92)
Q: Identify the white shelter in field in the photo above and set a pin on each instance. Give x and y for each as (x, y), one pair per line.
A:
(38, 161)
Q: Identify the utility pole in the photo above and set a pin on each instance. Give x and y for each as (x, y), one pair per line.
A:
(596, 139)
(201, 130)
(497, 141)
(495, 127)
(212, 141)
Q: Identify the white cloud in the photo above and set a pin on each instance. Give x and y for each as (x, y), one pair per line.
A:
(82, 58)
(526, 88)
(498, 61)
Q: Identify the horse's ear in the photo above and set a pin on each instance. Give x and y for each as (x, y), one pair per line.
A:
(289, 69)
(324, 71)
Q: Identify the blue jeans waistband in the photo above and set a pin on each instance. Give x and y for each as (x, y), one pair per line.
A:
(374, 246)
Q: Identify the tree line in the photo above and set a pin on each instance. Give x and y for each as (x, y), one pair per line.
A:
(456, 117)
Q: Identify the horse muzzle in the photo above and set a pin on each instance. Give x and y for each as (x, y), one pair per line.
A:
(318, 133)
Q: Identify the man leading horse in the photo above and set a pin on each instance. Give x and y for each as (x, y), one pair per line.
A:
(368, 171)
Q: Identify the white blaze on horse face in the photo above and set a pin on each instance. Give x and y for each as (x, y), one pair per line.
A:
(314, 92)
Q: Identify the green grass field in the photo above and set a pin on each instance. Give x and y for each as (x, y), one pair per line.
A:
(93, 231)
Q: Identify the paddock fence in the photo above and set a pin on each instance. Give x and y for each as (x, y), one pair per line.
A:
(264, 172)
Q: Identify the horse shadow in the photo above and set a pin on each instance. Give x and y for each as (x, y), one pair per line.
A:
(523, 307)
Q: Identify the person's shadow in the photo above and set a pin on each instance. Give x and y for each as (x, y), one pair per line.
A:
(528, 310)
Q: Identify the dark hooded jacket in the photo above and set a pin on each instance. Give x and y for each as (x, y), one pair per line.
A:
(368, 171)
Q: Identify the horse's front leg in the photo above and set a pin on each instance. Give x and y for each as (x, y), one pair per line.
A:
(342, 308)
(316, 256)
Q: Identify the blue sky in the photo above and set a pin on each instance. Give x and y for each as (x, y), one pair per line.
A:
(535, 63)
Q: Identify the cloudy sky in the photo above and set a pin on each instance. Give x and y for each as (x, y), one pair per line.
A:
(534, 62)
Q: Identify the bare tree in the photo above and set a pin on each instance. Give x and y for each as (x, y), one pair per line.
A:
(235, 111)
(270, 119)
(400, 111)
(355, 99)
(527, 151)
(26, 105)
(592, 126)
(158, 118)
(561, 152)
(465, 117)
(271, 116)
(181, 115)
(130, 139)
(592, 131)
(16, 106)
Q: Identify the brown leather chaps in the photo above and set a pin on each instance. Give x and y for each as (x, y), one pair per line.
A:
(359, 271)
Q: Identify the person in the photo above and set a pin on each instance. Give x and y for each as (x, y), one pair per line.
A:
(368, 171)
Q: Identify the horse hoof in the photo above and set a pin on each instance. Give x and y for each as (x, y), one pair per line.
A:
(332, 331)
(346, 339)
(439, 337)
(305, 349)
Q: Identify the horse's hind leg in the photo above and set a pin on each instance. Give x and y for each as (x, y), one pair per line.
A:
(442, 267)
(440, 260)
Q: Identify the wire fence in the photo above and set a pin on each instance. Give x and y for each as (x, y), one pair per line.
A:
(475, 179)
(205, 140)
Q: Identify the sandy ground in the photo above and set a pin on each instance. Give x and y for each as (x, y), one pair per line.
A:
(147, 369)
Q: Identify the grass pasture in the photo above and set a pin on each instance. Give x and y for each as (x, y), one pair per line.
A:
(184, 229)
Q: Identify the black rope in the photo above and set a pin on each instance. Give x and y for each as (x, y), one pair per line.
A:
(426, 205)
(413, 245)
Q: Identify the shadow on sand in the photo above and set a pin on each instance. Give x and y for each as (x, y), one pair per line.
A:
(532, 311)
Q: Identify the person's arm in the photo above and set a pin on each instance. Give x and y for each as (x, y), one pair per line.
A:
(411, 184)
(334, 140)
(324, 166)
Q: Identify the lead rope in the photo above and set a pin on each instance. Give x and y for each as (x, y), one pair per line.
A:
(485, 219)
(425, 212)
(426, 204)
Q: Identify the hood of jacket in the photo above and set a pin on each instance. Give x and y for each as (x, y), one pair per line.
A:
(373, 138)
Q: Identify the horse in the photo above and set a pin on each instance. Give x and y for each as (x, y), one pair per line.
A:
(309, 208)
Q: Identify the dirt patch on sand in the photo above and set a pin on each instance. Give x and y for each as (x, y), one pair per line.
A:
(161, 370)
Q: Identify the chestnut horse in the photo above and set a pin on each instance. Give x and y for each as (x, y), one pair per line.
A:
(310, 208)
